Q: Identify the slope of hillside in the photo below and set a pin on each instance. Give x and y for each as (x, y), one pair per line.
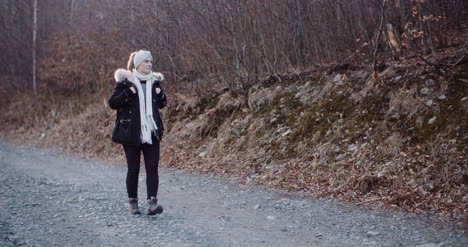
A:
(395, 138)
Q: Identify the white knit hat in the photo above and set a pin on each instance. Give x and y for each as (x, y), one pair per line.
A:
(141, 56)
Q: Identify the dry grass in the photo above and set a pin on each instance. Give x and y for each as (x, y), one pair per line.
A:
(78, 124)
(405, 104)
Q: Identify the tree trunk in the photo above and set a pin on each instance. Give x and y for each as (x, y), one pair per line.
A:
(377, 42)
(34, 46)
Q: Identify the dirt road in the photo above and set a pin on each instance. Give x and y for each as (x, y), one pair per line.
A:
(49, 199)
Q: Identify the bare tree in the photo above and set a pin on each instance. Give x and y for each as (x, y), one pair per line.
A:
(34, 47)
(210, 44)
(379, 34)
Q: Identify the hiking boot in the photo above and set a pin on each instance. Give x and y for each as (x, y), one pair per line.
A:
(153, 207)
(133, 206)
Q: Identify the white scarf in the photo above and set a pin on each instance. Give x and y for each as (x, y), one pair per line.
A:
(148, 125)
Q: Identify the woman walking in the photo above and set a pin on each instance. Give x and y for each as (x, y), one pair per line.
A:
(137, 97)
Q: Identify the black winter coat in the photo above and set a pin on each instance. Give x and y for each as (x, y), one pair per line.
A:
(127, 124)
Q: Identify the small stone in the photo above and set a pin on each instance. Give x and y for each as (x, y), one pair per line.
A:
(464, 99)
(235, 132)
(256, 206)
(432, 120)
(341, 156)
(429, 82)
(422, 190)
(442, 97)
(430, 187)
(398, 78)
(382, 173)
(370, 234)
(202, 154)
(338, 78)
(424, 90)
(286, 133)
(270, 217)
(352, 147)
(340, 92)
(429, 102)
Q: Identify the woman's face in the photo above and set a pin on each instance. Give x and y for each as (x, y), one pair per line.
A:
(145, 67)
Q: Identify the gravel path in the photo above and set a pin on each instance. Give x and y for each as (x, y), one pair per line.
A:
(49, 199)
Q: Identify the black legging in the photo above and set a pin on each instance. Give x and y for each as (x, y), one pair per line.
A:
(151, 156)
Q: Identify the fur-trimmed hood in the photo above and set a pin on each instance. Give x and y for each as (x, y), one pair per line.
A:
(121, 74)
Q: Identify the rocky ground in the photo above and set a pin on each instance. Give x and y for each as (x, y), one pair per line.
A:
(54, 200)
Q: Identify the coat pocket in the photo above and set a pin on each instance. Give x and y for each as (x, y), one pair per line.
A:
(126, 131)
(125, 122)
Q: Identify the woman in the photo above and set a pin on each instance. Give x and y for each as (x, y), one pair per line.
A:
(137, 97)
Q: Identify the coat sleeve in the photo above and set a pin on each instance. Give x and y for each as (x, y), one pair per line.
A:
(120, 96)
(161, 97)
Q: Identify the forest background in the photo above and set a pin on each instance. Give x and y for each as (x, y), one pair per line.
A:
(360, 100)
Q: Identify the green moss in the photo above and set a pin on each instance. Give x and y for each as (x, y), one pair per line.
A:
(451, 117)
(319, 118)
(310, 123)
(336, 118)
(282, 100)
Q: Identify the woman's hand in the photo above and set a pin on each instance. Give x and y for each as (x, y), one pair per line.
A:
(127, 83)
